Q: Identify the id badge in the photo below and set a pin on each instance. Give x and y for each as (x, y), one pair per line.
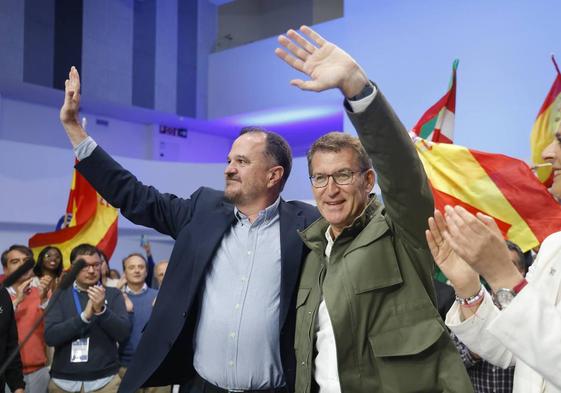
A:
(79, 352)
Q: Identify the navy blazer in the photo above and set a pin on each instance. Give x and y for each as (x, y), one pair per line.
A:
(165, 353)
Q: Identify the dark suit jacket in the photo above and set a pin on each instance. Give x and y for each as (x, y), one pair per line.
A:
(165, 353)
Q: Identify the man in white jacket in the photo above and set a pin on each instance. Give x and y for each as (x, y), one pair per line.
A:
(527, 331)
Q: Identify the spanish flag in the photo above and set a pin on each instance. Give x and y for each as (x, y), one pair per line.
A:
(547, 123)
(437, 123)
(494, 184)
(89, 219)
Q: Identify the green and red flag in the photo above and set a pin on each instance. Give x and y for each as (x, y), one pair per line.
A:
(545, 126)
(437, 123)
(89, 219)
(499, 186)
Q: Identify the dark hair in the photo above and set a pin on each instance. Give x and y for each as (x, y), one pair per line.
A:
(134, 254)
(83, 249)
(276, 148)
(114, 271)
(15, 247)
(521, 262)
(335, 142)
(38, 269)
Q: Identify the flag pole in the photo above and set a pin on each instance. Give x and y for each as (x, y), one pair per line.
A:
(555, 63)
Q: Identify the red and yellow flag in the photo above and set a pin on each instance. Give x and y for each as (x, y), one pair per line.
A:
(547, 123)
(497, 185)
(91, 220)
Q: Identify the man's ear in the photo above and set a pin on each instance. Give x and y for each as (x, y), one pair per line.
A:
(275, 175)
(370, 180)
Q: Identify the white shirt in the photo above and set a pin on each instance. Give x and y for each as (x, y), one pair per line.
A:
(326, 371)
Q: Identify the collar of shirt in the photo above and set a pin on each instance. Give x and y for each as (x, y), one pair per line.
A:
(78, 287)
(264, 215)
(129, 291)
(330, 242)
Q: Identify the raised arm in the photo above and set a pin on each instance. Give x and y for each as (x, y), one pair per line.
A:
(402, 179)
(141, 204)
(71, 107)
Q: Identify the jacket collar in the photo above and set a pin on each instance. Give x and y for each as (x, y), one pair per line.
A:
(314, 235)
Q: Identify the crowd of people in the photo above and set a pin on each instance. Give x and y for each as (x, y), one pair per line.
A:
(268, 295)
(76, 338)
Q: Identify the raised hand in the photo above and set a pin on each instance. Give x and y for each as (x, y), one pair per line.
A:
(478, 240)
(44, 287)
(147, 247)
(71, 107)
(327, 65)
(463, 278)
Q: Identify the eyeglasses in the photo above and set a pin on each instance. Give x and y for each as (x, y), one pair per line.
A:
(341, 178)
(95, 266)
(54, 255)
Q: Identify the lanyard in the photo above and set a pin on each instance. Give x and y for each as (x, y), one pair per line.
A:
(77, 301)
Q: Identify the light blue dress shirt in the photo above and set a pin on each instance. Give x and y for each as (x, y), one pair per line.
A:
(237, 342)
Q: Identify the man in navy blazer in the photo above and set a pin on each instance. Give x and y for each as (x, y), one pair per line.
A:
(224, 317)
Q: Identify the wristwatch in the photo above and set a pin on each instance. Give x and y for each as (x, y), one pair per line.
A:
(504, 296)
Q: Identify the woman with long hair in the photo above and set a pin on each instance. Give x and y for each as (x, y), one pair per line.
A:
(50, 263)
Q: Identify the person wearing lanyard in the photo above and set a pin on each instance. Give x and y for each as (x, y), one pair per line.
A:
(84, 326)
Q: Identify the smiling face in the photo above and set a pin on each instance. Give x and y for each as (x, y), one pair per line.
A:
(552, 154)
(341, 204)
(249, 172)
(52, 260)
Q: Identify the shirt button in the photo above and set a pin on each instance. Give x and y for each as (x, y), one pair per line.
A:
(243, 279)
(237, 306)
(233, 334)
(231, 363)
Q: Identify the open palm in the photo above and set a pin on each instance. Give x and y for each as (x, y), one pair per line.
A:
(460, 274)
(71, 106)
(327, 65)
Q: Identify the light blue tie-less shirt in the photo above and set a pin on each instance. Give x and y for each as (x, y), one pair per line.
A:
(237, 342)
